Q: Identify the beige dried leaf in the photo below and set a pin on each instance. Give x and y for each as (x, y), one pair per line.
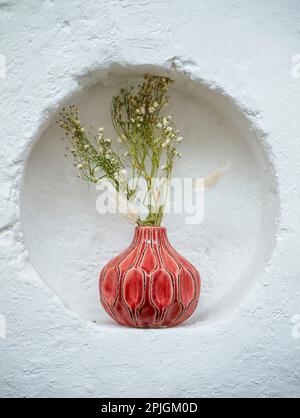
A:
(131, 217)
(213, 178)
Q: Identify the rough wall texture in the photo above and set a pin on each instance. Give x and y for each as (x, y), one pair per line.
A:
(246, 49)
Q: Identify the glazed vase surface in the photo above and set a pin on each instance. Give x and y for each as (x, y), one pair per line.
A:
(149, 285)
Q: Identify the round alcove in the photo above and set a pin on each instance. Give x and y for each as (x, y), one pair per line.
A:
(68, 241)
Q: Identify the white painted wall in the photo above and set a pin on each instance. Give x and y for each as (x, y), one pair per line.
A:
(237, 98)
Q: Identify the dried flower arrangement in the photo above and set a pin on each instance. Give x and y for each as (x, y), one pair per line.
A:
(147, 145)
(147, 293)
(146, 148)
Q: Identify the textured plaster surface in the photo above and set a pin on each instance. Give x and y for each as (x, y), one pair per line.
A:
(247, 344)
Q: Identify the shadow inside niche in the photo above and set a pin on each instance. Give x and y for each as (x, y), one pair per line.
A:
(69, 242)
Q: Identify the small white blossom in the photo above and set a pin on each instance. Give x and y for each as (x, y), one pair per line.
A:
(159, 125)
(107, 140)
(179, 139)
(101, 130)
(166, 143)
(165, 122)
(80, 166)
(151, 109)
(155, 104)
(86, 146)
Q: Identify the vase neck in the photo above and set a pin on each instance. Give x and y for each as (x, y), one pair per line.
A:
(150, 233)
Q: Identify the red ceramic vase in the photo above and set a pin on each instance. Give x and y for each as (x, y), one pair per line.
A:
(149, 285)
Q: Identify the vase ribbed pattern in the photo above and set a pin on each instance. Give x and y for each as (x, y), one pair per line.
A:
(149, 285)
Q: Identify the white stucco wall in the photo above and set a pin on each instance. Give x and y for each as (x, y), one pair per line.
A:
(238, 77)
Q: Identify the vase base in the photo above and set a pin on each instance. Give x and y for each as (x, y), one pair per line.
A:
(149, 285)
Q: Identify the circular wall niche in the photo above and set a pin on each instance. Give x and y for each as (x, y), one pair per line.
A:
(68, 241)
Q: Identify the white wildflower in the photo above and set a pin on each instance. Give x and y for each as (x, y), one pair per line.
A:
(159, 125)
(86, 146)
(166, 143)
(155, 104)
(165, 122)
(151, 109)
(80, 166)
(179, 139)
(107, 140)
